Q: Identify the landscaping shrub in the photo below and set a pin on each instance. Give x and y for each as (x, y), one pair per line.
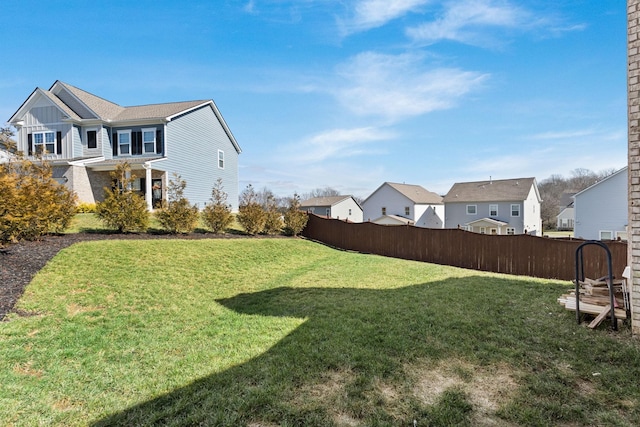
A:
(86, 208)
(177, 214)
(123, 209)
(251, 215)
(33, 203)
(273, 218)
(217, 215)
(294, 219)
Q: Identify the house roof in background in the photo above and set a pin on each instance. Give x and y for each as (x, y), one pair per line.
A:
(491, 190)
(566, 199)
(323, 201)
(416, 193)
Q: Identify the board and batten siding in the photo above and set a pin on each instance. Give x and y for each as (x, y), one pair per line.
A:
(192, 142)
(602, 207)
(77, 142)
(46, 117)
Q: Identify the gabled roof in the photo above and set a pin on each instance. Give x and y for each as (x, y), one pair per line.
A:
(101, 109)
(566, 199)
(393, 218)
(624, 169)
(503, 190)
(489, 221)
(416, 193)
(324, 201)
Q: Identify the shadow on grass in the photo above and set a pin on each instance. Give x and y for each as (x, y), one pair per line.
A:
(348, 362)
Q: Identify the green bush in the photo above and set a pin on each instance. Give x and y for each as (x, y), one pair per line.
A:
(177, 215)
(295, 220)
(217, 215)
(123, 209)
(251, 215)
(273, 218)
(32, 202)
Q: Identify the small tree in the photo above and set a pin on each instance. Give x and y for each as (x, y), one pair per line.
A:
(273, 218)
(217, 215)
(177, 215)
(32, 203)
(123, 209)
(294, 219)
(251, 215)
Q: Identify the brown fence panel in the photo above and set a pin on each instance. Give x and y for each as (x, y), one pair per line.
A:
(520, 255)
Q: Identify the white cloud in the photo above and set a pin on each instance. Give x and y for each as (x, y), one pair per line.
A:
(400, 86)
(337, 143)
(369, 14)
(463, 19)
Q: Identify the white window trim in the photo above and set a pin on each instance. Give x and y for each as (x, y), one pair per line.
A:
(144, 148)
(518, 206)
(512, 230)
(483, 230)
(86, 138)
(475, 210)
(44, 143)
(384, 210)
(491, 209)
(124, 132)
(220, 157)
(605, 231)
(407, 210)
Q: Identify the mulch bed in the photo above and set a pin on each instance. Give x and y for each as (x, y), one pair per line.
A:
(21, 261)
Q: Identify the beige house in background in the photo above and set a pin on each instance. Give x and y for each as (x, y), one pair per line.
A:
(339, 207)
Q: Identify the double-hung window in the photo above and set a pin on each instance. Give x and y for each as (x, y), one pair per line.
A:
(384, 210)
(493, 210)
(472, 209)
(515, 210)
(220, 159)
(407, 210)
(92, 139)
(44, 142)
(124, 142)
(149, 140)
(511, 231)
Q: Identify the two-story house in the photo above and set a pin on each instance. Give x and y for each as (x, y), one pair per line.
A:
(340, 207)
(394, 203)
(85, 137)
(508, 206)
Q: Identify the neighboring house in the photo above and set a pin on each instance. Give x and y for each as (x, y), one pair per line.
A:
(395, 203)
(508, 206)
(566, 217)
(85, 137)
(602, 209)
(5, 154)
(340, 207)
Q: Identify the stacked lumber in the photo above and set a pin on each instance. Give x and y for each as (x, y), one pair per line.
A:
(595, 299)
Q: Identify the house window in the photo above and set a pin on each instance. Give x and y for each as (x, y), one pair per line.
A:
(494, 231)
(44, 142)
(92, 139)
(407, 210)
(327, 211)
(472, 209)
(349, 212)
(220, 159)
(606, 235)
(483, 230)
(493, 210)
(515, 210)
(124, 142)
(511, 231)
(149, 140)
(384, 210)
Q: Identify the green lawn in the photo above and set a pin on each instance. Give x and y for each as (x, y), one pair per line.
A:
(286, 332)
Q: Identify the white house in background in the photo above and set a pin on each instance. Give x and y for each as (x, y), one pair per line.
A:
(394, 203)
(339, 207)
(566, 217)
(601, 211)
(507, 206)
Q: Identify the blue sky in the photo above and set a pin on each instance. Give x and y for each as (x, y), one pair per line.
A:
(350, 94)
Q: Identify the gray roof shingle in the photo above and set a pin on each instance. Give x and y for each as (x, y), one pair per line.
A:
(490, 191)
(416, 193)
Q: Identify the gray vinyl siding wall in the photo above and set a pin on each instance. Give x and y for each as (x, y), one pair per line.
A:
(77, 142)
(41, 119)
(456, 214)
(192, 142)
(104, 142)
(115, 129)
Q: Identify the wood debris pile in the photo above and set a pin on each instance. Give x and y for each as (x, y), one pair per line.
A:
(595, 299)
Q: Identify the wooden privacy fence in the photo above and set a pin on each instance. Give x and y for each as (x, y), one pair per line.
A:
(520, 254)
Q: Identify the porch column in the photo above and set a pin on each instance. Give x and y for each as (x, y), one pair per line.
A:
(633, 118)
(147, 183)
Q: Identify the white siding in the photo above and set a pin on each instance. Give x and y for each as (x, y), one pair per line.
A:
(341, 210)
